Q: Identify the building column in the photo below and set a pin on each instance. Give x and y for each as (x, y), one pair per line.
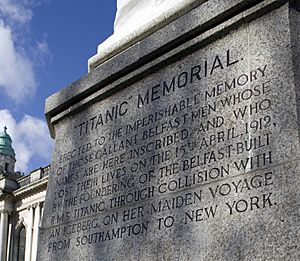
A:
(9, 240)
(35, 231)
(29, 235)
(3, 235)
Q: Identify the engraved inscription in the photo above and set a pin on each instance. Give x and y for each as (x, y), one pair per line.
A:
(178, 152)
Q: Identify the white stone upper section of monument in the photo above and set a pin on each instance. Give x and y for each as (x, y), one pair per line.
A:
(132, 14)
(135, 19)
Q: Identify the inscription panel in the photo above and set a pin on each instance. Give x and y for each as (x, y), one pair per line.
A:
(189, 159)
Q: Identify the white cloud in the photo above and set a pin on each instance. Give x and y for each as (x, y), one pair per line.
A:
(19, 54)
(15, 11)
(30, 138)
(16, 73)
(42, 52)
(43, 46)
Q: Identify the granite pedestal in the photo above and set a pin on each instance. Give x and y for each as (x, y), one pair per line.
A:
(185, 146)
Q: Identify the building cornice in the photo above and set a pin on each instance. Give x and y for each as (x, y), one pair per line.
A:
(32, 188)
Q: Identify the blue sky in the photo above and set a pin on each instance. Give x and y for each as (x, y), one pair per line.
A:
(44, 46)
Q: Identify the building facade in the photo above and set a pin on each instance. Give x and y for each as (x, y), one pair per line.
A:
(21, 206)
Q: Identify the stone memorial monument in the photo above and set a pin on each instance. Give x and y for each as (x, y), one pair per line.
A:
(182, 142)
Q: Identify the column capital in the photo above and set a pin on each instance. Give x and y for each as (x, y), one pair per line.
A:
(37, 204)
(32, 206)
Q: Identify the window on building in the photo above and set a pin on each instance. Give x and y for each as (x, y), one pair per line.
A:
(6, 167)
(21, 244)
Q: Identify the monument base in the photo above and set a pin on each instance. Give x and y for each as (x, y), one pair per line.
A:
(185, 146)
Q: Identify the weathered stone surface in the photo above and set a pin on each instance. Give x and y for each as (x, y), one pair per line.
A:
(192, 156)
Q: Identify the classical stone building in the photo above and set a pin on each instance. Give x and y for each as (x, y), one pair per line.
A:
(21, 206)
